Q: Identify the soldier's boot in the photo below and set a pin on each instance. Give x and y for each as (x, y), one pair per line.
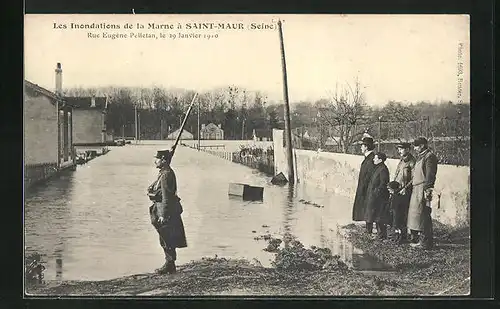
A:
(171, 269)
(164, 269)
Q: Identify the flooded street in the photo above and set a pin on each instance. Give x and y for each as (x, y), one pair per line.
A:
(93, 224)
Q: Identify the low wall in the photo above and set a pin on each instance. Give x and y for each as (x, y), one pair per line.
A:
(35, 173)
(338, 173)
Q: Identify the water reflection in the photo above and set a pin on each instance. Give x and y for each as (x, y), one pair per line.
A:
(93, 224)
(44, 230)
(59, 269)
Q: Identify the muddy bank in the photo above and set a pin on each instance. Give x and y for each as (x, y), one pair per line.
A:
(227, 277)
(444, 270)
(299, 271)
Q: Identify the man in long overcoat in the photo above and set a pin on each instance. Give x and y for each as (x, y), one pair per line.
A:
(365, 173)
(377, 196)
(401, 200)
(166, 211)
(424, 177)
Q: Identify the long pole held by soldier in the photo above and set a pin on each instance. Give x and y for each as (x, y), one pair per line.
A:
(183, 124)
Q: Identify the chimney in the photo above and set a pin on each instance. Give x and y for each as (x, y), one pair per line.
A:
(219, 125)
(203, 126)
(59, 79)
(92, 101)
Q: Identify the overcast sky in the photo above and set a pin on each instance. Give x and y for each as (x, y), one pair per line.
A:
(396, 57)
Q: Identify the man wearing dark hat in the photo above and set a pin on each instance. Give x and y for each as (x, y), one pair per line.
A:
(402, 194)
(424, 177)
(166, 211)
(365, 173)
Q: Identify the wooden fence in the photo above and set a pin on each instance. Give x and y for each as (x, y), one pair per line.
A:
(263, 163)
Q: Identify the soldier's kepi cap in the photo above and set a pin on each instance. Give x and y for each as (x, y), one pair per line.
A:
(420, 141)
(160, 154)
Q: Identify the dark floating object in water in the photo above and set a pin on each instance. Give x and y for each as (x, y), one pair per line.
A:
(247, 192)
(311, 203)
(279, 179)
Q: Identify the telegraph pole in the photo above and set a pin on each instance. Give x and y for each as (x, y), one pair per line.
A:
(288, 131)
(161, 128)
(243, 130)
(199, 131)
(379, 132)
(139, 125)
(136, 128)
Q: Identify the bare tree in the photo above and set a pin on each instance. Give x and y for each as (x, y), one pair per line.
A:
(343, 112)
(79, 92)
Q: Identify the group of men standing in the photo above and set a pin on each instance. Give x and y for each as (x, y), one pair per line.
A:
(403, 204)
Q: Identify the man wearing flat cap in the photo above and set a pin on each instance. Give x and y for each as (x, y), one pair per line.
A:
(166, 211)
(402, 195)
(424, 177)
(365, 173)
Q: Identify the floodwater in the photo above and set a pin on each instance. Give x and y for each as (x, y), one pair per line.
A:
(93, 223)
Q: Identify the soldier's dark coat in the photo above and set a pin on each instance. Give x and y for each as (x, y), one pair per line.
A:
(377, 196)
(169, 207)
(365, 173)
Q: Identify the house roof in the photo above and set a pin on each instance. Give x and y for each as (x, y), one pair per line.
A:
(211, 127)
(86, 102)
(176, 132)
(43, 91)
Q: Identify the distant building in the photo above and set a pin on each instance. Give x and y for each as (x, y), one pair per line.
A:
(185, 135)
(89, 120)
(47, 131)
(211, 132)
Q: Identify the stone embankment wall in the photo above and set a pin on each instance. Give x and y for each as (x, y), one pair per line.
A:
(338, 173)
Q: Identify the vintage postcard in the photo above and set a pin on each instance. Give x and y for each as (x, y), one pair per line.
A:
(184, 155)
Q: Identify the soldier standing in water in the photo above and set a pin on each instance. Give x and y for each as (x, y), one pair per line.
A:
(166, 211)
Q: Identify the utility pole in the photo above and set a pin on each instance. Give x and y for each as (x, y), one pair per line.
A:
(243, 130)
(288, 132)
(199, 131)
(136, 128)
(161, 128)
(139, 125)
(379, 132)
